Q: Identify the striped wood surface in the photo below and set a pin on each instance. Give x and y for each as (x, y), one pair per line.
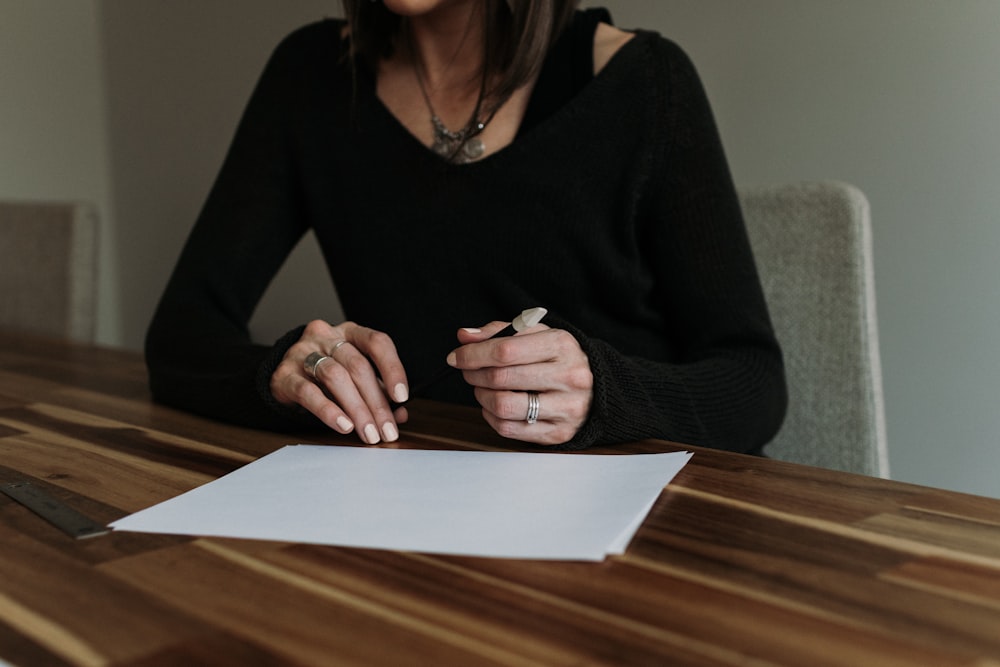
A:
(741, 561)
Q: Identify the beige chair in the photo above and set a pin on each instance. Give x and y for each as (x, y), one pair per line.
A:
(812, 243)
(48, 268)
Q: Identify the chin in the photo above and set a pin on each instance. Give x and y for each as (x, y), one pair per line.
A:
(420, 7)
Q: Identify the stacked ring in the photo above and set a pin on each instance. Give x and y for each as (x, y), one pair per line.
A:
(533, 405)
(313, 361)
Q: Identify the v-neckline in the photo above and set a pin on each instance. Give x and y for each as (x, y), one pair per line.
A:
(522, 135)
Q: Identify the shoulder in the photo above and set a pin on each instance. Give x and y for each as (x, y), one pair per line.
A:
(315, 50)
(652, 63)
(642, 48)
(608, 40)
(323, 31)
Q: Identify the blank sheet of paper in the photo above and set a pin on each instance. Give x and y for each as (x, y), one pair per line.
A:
(496, 504)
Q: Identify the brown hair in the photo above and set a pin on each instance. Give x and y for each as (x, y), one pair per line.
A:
(517, 36)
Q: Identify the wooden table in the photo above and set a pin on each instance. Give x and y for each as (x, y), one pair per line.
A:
(742, 561)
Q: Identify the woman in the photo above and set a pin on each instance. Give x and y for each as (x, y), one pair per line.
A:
(459, 161)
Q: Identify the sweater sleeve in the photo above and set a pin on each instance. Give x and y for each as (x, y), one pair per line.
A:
(724, 385)
(199, 353)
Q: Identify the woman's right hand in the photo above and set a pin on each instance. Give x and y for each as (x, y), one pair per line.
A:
(346, 393)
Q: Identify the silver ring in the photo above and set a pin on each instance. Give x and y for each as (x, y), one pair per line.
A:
(336, 346)
(533, 405)
(313, 361)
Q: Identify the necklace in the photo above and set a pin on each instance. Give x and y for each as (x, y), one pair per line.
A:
(458, 146)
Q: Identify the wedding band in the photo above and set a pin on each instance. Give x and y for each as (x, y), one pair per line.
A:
(313, 361)
(336, 346)
(533, 405)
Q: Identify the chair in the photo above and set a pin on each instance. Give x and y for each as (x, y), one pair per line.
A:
(48, 268)
(812, 243)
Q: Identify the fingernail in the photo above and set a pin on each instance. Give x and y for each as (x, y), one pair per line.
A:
(472, 330)
(389, 432)
(452, 359)
(345, 424)
(371, 434)
(400, 393)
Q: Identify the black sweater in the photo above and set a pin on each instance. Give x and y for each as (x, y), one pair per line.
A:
(613, 208)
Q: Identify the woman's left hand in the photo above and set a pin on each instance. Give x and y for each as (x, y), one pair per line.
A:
(505, 370)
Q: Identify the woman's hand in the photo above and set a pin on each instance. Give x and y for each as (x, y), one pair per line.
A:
(505, 370)
(346, 392)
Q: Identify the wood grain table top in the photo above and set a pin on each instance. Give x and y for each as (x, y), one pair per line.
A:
(742, 560)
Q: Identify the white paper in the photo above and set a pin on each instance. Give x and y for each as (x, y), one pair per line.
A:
(496, 504)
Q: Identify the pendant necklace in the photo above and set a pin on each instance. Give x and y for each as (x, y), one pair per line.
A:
(458, 146)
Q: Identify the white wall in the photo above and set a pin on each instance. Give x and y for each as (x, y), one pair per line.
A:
(899, 97)
(53, 141)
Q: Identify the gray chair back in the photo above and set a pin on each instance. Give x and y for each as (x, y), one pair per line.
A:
(812, 243)
(48, 268)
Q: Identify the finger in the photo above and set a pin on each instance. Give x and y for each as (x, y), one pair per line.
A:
(477, 334)
(554, 407)
(352, 382)
(524, 348)
(379, 348)
(336, 383)
(401, 414)
(307, 394)
(518, 378)
(540, 433)
(529, 361)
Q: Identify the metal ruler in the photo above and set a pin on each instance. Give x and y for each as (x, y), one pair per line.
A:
(54, 511)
